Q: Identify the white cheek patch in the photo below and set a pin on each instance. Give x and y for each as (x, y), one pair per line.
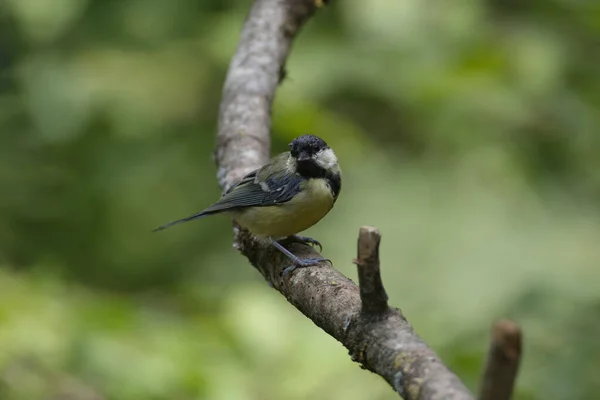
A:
(326, 159)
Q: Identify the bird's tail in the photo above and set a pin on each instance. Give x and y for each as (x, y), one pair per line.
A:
(186, 219)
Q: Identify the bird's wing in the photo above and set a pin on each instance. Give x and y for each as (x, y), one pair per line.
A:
(266, 186)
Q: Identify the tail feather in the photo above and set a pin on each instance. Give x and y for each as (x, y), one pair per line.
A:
(216, 208)
(180, 221)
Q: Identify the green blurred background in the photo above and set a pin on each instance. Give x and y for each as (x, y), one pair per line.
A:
(467, 131)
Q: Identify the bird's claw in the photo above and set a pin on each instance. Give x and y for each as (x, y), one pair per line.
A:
(307, 240)
(307, 262)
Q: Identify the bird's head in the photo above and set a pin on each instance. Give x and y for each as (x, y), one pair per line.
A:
(314, 158)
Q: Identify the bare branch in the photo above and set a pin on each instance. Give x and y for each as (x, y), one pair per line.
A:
(376, 336)
(502, 363)
(372, 293)
(243, 141)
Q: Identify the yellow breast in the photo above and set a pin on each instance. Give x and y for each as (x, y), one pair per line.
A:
(303, 211)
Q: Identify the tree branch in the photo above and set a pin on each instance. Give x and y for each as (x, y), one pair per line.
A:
(502, 363)
(372, 294)
(378, 337)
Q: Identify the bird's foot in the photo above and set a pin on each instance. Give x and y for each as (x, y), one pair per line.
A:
(302, 263)
(297, 262)
(306, 240)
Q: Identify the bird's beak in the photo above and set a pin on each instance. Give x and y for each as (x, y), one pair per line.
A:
(304, 157)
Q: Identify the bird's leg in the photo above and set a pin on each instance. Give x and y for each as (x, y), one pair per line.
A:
(296, 262)
(305, 240)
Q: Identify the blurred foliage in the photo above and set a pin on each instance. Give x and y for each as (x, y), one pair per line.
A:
(467, 130)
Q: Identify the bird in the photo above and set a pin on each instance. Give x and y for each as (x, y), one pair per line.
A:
(284, 197)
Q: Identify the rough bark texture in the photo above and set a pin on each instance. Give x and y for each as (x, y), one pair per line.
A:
(502, 363)
(378, 337)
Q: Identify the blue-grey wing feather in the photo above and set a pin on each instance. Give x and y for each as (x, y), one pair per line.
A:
(249, 192)
(267, 186)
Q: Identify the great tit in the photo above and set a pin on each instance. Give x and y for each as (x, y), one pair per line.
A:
(288, 195)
